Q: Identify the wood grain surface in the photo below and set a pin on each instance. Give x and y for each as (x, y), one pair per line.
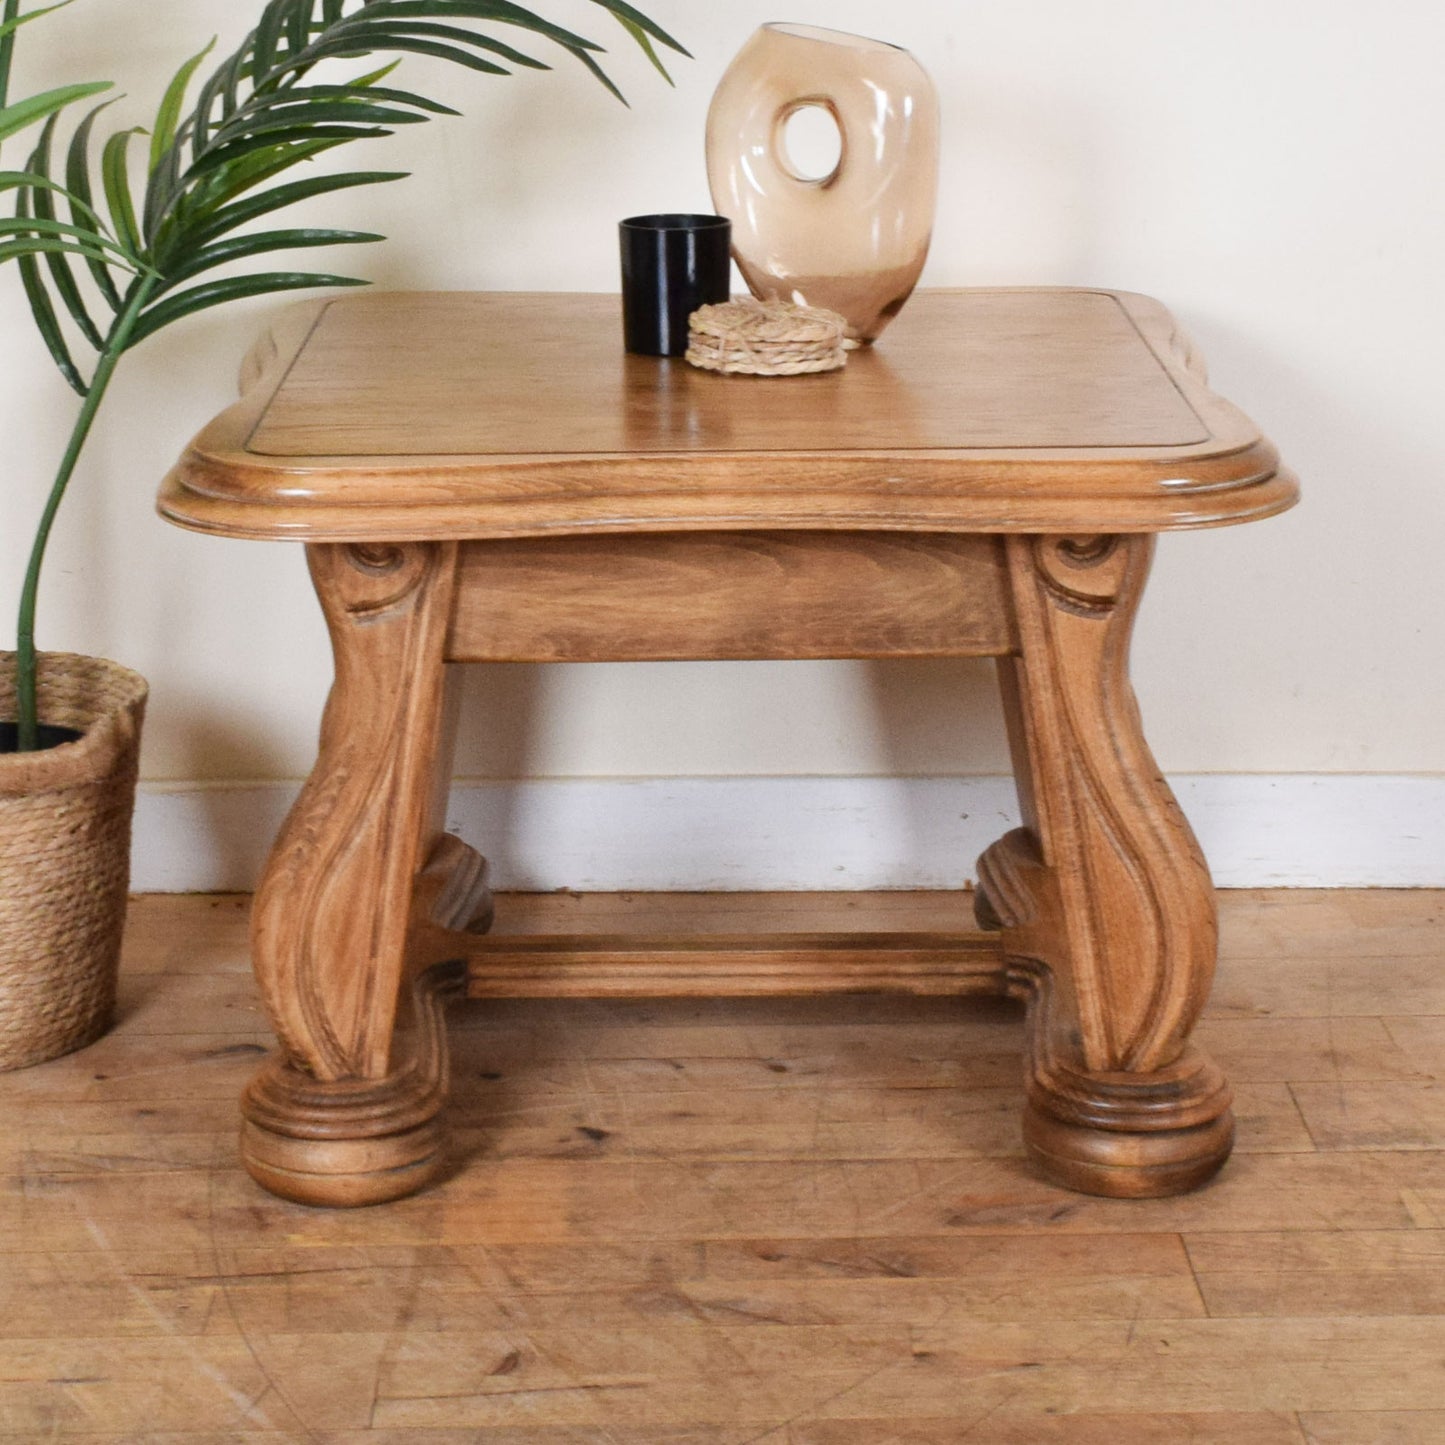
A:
(507, 375)
(1103, 896)
(427, 416)
(801, 1222)
(780, 965)
(740, 595)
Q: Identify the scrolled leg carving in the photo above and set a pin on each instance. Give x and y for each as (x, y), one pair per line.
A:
(345, 1116)
(1103, 897)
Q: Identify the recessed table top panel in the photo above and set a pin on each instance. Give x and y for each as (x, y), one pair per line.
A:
(455, 414)
(500, 375)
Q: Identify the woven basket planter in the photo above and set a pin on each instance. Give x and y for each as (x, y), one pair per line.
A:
(65, 819)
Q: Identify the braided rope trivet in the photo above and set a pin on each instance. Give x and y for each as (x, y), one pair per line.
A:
(767, 338)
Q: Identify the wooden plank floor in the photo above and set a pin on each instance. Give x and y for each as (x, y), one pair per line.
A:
(794, 1222)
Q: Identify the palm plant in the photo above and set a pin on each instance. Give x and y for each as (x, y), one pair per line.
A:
(121, 262)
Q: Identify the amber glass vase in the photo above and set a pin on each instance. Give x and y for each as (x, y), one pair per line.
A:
(854, 240)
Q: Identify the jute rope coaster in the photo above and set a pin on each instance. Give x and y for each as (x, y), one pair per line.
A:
(767, 338)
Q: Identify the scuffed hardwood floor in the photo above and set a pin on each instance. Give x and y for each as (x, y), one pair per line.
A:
(714, 1223)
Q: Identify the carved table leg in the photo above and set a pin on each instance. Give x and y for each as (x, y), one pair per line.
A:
(1103, 896)
(349, 1114)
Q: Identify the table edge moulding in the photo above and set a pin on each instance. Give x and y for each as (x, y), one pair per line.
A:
(1228, 474)
(489, 478)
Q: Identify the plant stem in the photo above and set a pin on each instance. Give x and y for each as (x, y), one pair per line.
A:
(26, 669)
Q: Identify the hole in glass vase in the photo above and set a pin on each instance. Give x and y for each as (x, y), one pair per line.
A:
(812, 143)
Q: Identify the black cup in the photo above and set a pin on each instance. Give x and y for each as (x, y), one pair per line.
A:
(671, 265)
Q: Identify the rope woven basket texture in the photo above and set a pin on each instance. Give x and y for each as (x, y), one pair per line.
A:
(65, 826)
(767, 338)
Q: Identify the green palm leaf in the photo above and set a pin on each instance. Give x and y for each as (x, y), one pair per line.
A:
(294, 132)
(9, 26)
(18, 229)
(33, 180)
(221, 219)
(46, 245)
(42, 205)
(243, 248)
(25, 113)
(648, 49)
(303, 116)
(244, 171)
(233, 288)
(634, 20)
(115, 178)
(41, 306)
(163, 133)
(496, 10)
(415, 39)
(360, 93)
(48, 324)
(10, 21)
(77, 183)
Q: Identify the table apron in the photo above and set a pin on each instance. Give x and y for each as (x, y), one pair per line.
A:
(731, 595)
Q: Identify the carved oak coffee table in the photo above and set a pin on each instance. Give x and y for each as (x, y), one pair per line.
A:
(487, 478)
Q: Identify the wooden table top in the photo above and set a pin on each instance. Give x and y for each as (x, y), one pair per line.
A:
(410, 416)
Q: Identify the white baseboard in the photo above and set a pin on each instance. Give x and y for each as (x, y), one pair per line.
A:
(690, 834)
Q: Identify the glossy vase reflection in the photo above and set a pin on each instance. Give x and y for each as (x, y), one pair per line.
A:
(855, 240)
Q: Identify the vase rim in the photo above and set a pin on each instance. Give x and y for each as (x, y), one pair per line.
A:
(844, 38)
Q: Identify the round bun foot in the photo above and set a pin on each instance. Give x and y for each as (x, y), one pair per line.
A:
(344, 1173)
(345, 1142)
(340, 1143)
(1118, 1165)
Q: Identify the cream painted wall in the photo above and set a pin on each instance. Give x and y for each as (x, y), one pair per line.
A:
(1270, 168)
